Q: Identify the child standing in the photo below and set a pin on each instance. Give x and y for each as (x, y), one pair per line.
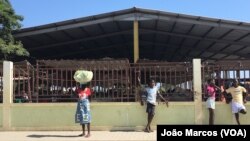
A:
(151, 92)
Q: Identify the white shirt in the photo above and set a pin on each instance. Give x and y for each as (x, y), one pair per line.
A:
(152, 93)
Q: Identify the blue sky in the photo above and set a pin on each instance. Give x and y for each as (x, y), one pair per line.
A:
(39, 12)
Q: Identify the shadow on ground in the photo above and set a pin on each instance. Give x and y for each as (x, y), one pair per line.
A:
(128, 130)
(60, 136)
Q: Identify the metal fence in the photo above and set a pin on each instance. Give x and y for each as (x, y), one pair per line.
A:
(175, 78)
(23, 75)
(55, 83)
(113, 80)
(117, 80)
(224, 72)
(23, 81)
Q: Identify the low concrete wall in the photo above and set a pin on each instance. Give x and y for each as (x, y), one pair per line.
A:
(112, 116)
(1, 115)
(223, 114)
(105, 116)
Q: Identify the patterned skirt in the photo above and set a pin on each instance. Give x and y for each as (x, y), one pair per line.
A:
(83, 115)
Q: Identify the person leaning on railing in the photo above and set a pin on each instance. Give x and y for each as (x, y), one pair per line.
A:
(211, 89)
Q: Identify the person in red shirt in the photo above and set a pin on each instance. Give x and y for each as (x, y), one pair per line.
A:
(83, 115)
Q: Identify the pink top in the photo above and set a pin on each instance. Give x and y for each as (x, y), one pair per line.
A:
(211, 91)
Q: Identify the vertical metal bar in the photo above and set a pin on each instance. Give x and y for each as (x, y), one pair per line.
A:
(113, 82)
(118, 74)
(155, 73)
(175, 76)
(95, 77)
(14, 83)
(66, 80)
(28, 79)
(124, 89)
(160, 71)
(170, 76)
(47, 80)
(103, 80)
(99, 83)
(59, 96)
(121, 78)
(57, 81)
(33, 82)
(37, 82)
(62, 81)
(185, 77)
(18, 77)
(121, 88)
(71, 82)
(107, 81)
(145, 75)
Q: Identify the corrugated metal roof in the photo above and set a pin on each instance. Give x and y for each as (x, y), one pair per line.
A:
(163, 36)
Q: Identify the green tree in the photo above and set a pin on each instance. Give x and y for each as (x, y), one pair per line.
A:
(9, 21)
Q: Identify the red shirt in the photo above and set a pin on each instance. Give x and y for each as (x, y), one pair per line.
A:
(84, 93)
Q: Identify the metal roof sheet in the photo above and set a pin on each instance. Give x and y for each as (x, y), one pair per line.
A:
(164, 36)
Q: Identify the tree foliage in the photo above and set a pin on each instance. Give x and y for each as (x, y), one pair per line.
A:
(9, 21)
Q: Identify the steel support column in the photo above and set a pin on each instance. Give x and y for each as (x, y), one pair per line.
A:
(136, 41)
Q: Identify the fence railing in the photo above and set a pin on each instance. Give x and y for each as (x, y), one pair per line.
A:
(117, 80)
(175, 78)
(113, 80)
(224, 72)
